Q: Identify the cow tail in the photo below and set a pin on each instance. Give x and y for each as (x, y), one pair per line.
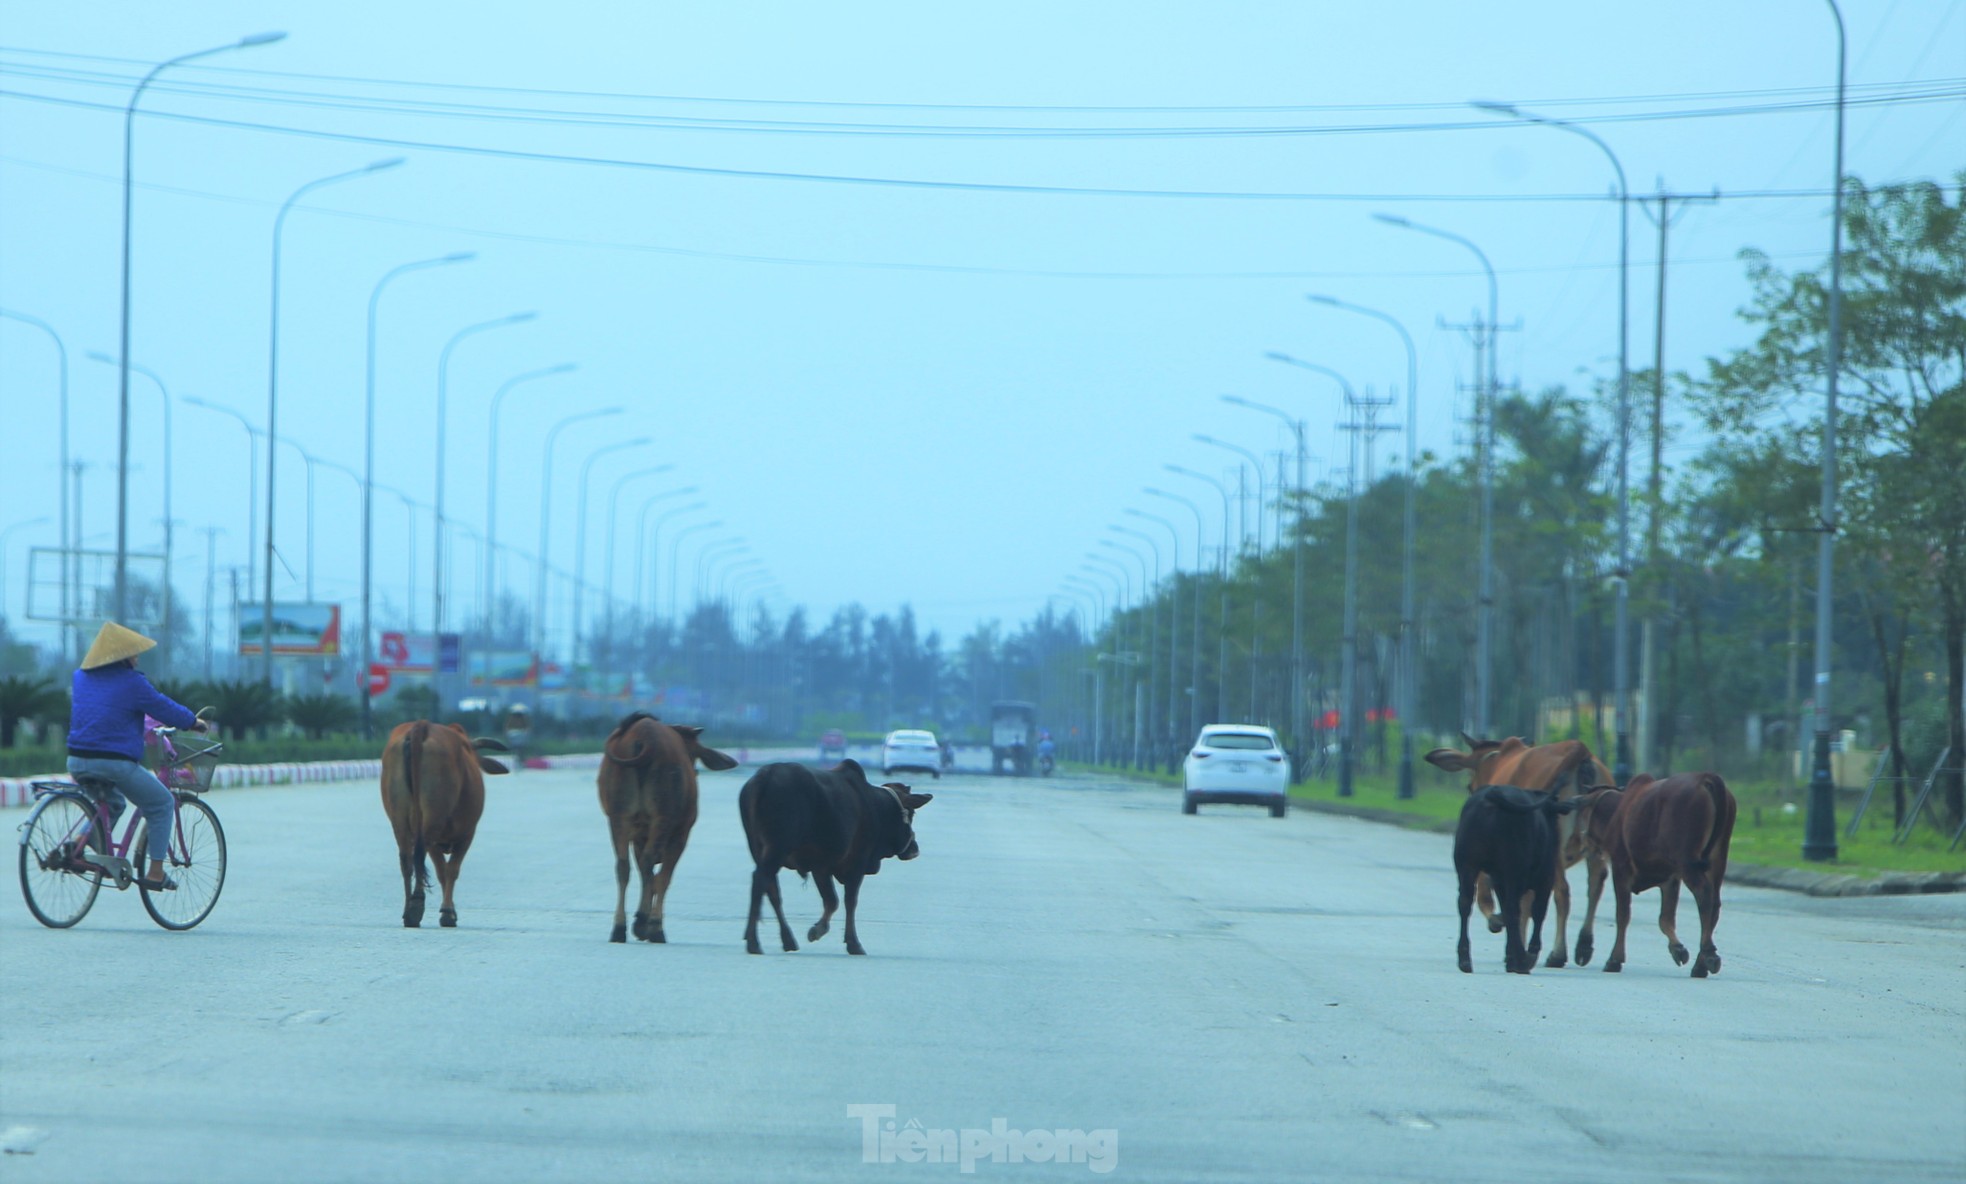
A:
(627, 748)
(1717, 790)
(412, 761)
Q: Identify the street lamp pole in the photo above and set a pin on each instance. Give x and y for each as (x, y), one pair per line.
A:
(1409, 637)
(123, 339)
(491, 488)
(676, 558)
(546, 520)
(1152, 602)
(1256, 462)
(368, 472)
(648, 541)
(443, 419)
(1485, 435)
(1621, 768)
(1222, 586)
(607, 564)
(165, 591)
(252, 481)
(1173, 610)
(1194, 623)
(68, 546)
(580, 536)
(273, 399)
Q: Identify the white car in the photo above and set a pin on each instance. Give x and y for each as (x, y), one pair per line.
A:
(911, 748)
(1239, 763)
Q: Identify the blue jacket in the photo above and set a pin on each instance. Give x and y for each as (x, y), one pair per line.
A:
(109, 705)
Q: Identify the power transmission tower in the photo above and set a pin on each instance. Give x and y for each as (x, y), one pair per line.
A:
(1361, 428)
(1484, 338)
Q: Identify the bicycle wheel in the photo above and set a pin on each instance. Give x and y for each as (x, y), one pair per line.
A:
(197, 863)
(57, 896)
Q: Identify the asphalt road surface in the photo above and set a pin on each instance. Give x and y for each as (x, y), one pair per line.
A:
(1072, 969)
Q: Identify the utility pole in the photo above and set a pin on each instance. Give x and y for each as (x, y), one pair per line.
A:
(1484, 334)
(1654, 491)
(1362, 427)
(211, 591)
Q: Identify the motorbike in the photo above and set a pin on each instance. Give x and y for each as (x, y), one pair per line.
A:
(1045, 764)
(948, 757)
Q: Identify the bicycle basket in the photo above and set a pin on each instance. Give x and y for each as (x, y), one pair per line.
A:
(193, 771)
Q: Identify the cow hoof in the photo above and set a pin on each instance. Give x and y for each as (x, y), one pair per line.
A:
(413, 913)
(1467, 965)
(816, 932)
(654, 934)
(1584, 950)
(752, 947)
(641, 926)
(1613, 967)
(1678, 953)
(791, 947)
(1556, 960)
(620, 934)
(1710, 960)
(412, 922)
(447, 918)
(856, 948)
(1519, 970)
(1700, 968)
(1495, 924)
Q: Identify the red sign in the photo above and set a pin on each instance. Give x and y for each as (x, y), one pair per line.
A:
(378, 678)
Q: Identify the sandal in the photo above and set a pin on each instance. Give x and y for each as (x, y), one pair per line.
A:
(164, 885)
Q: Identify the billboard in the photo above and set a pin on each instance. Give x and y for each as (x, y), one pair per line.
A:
(312, 630)
(504, 668)
(420, 653)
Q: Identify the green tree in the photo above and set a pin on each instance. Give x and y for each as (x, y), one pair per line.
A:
(318, 715)
(25, 697)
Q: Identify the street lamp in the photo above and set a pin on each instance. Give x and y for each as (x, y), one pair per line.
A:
(648, 541)
(1485, 435)
(252, 480)
(164, 391)
(68, 560)
(1153, 619)
(1256, 462)
(123, 339)
(1194, 624)
(676, 557)
(443, 404)
(273, 396)
(491, 485)
(1408, 626)
(1621, 768)
(720, 550)
(1222, 586)
(1173, 605)
(368, 469)
(580, 534)
(546, 518)
(614, 510)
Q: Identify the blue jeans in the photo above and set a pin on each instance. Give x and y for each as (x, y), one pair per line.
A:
(157, 804)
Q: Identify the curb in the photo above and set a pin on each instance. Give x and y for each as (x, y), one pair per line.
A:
(19, 791)
(1788, 879)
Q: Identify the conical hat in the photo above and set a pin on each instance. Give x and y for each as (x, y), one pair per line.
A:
(114, 643)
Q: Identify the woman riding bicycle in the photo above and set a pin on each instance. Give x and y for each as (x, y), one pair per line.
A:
(106, 729)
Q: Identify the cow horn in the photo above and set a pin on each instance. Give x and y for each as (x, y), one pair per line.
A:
(481, 743)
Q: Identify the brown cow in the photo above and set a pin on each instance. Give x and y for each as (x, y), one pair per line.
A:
(1660, 834)
(1566, 769)
(433, 789)
(648, 792)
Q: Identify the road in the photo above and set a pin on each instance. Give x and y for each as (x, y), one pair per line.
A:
(1223, 997)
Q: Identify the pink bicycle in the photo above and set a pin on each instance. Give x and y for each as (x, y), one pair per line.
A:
(67, 849)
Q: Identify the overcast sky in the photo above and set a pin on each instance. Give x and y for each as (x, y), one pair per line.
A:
(930, 395)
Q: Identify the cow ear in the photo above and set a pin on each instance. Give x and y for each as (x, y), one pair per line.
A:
(1450, 760)
(492, 743)
(712, 759)
(916, 801)
(491, 766)
(686, 731)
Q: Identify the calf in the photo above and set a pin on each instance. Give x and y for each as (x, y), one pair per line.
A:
(1660, 834)
(648, 791)
(1509, 834)
(832, 825)
(1564, 769)
(433, 789)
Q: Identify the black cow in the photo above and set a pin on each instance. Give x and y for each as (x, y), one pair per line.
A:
(1510, 835)
(832, 825)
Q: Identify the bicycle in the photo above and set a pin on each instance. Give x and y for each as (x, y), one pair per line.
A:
(67, 848)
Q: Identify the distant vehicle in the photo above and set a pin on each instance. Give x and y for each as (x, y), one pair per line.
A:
(911, 748)
(832, 745)
(1236, 763)
(1013, 728)
(948, 757)
(1047, 752)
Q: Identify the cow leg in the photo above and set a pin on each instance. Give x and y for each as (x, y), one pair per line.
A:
(852, 901)
(1706, 894)
(447, 871)
(778, 908)
(1466, 902)
(1621, 893)
(758, 875)
(1535, 905)
(1515, 957)
(830, 900)
(1538, 910)
(416, 877)
(1594, 872)
(646, 924)
(1560, 953)
(1485, 901)
(620, 841)
(669, 859)
(1669, 920)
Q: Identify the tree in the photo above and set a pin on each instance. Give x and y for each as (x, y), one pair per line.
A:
(25, 697)
(319, 714)
(244, 705)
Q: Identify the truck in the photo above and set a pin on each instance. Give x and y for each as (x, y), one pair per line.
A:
(1013, 737)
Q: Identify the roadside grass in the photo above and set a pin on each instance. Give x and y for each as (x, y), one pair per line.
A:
(1768, 829)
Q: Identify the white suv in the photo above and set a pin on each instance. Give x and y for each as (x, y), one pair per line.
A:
(1240, 763)
(910, 748)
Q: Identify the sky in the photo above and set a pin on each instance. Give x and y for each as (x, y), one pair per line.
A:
(938, 393)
